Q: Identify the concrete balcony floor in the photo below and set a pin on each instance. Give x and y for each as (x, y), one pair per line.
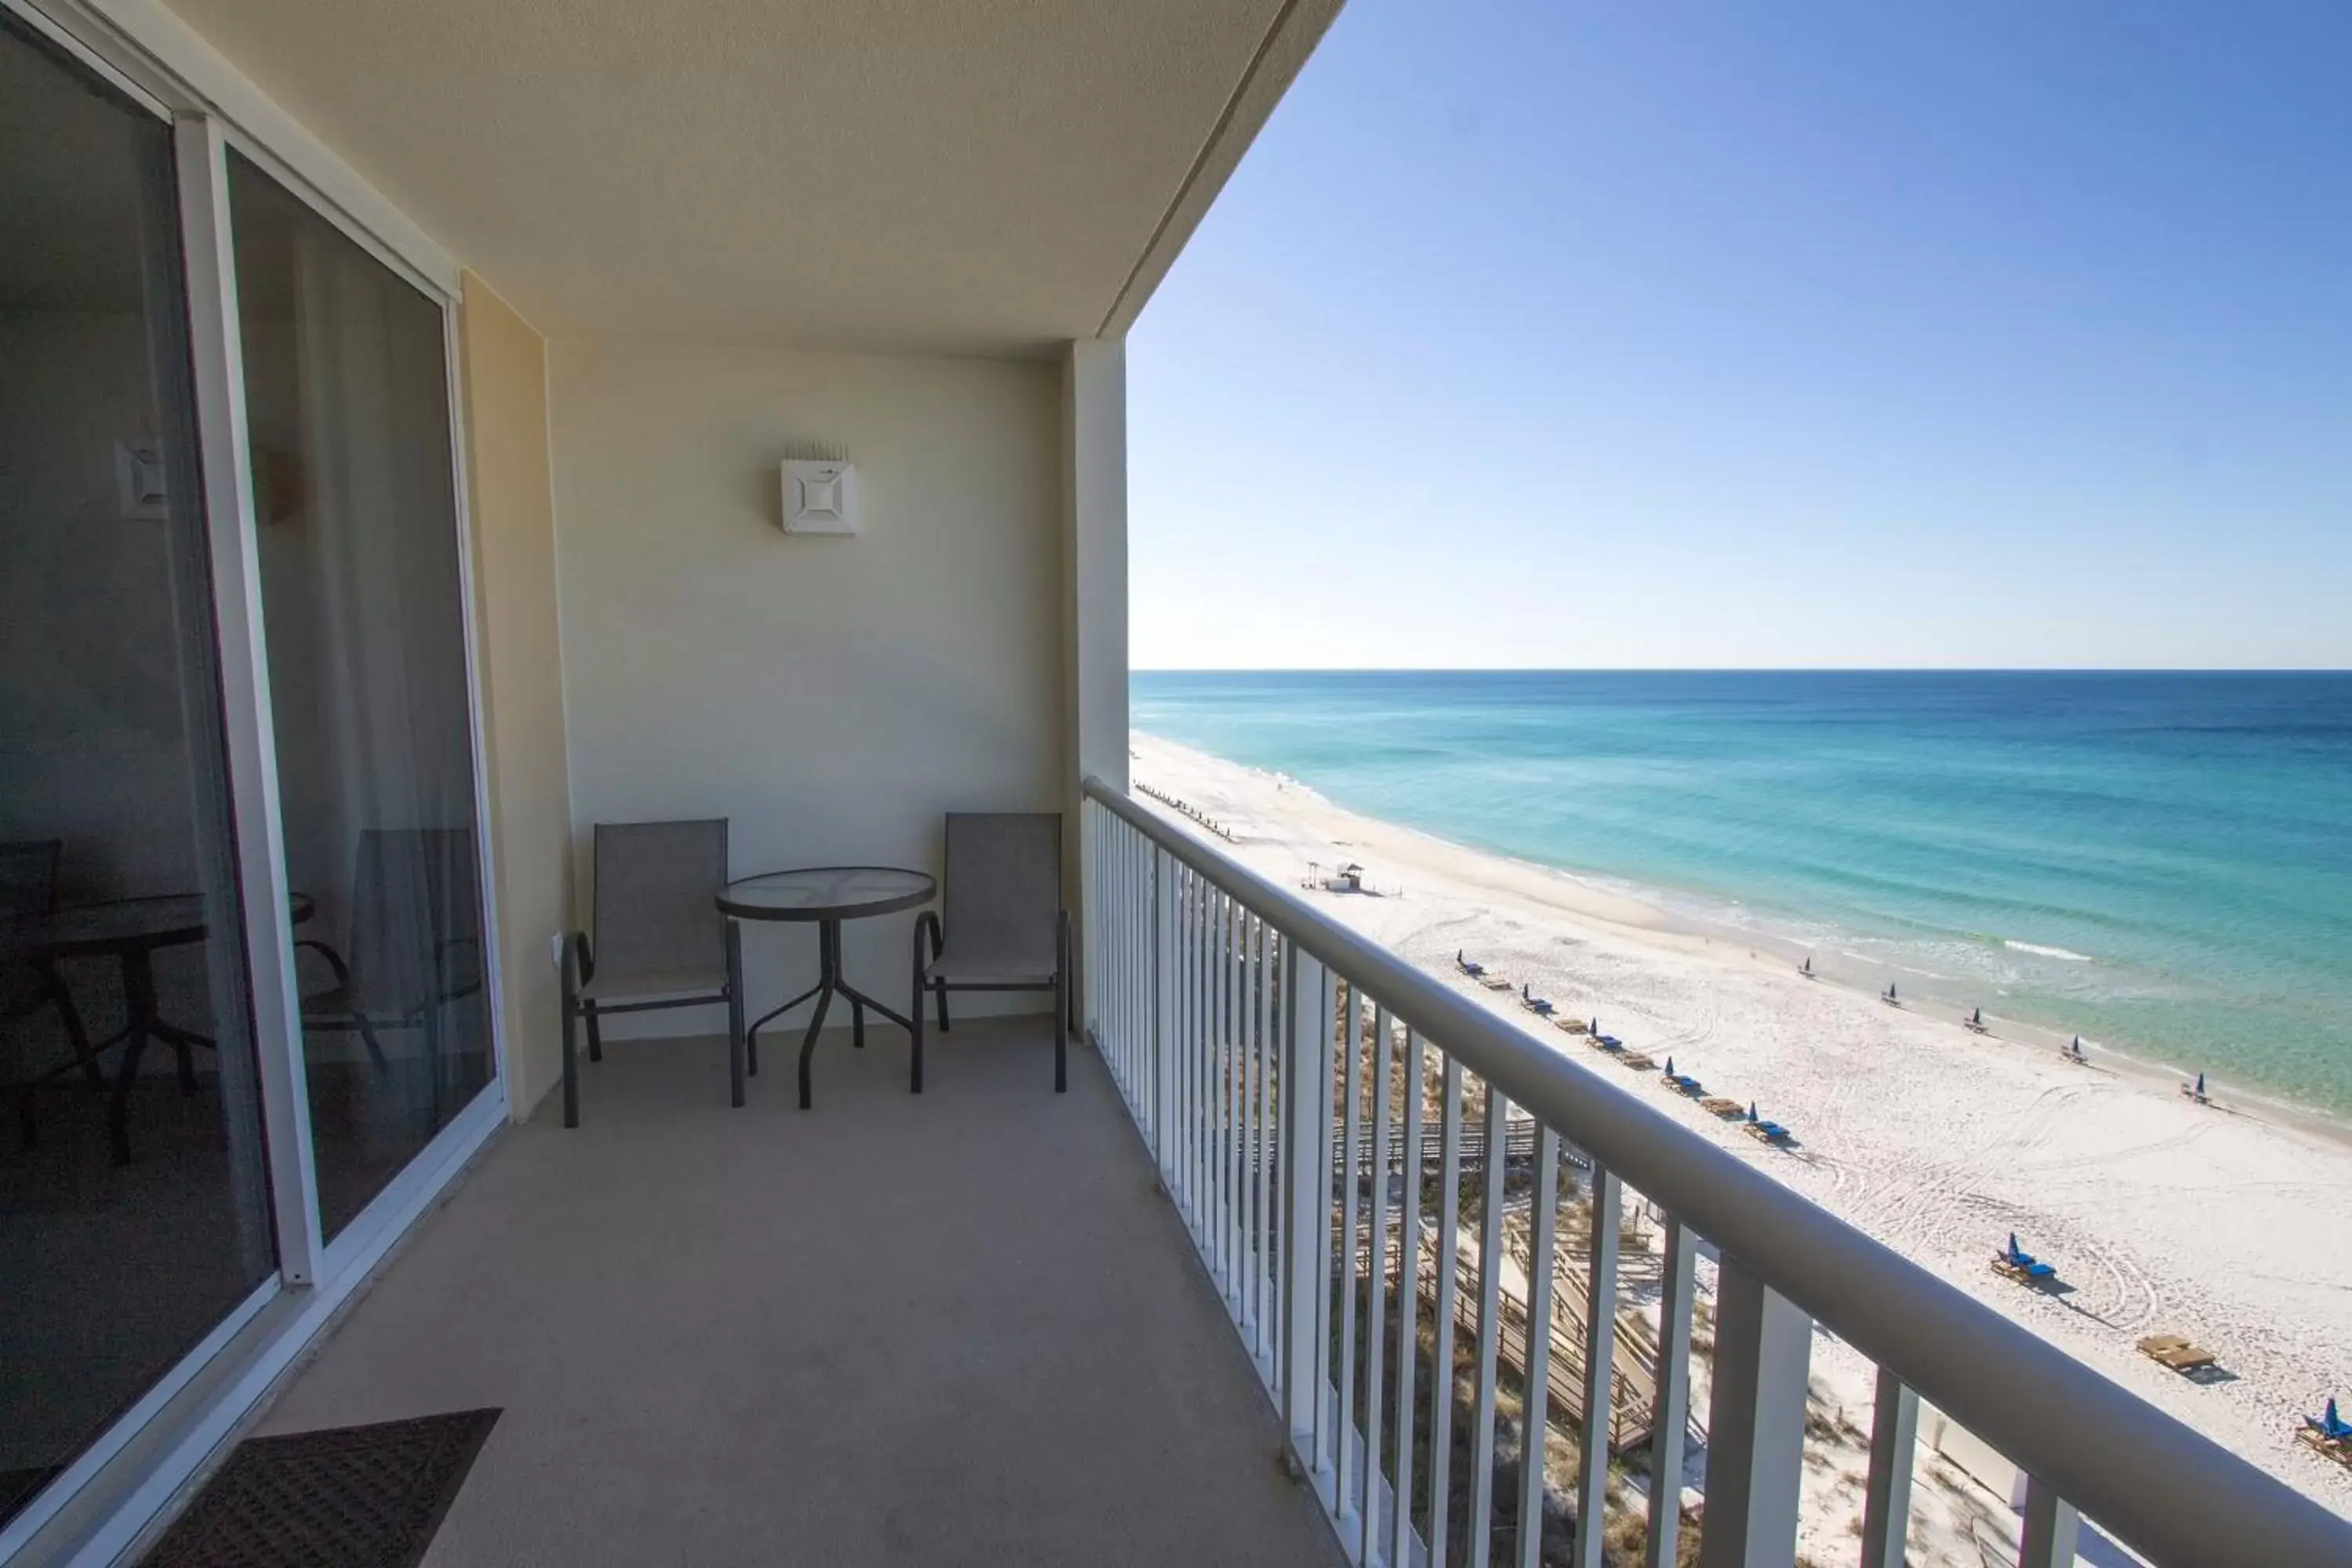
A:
(954, 1329)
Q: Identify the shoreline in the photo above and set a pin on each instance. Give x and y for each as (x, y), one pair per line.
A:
(2231, 1097)
(2230, 1223)
(1633, 907)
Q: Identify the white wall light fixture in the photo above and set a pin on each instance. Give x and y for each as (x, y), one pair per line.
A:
(820, 493)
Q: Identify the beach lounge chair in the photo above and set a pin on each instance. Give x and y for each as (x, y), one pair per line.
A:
(1538, 1006)
(1469, 966)
(1633, 1059)
(1609, 1042)
(1722, 1106)
(1768, 1131)
(1688, 1084)
(2328, 1433)
(2173, 1351)
(1494, 982)
(2013, 1262)
(1572, 1025)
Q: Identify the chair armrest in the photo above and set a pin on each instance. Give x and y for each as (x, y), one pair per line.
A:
(335, 963)
(582, 955)
(928, 922)
(455, 987)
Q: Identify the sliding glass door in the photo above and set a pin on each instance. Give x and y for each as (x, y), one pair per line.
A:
(347, 399)
(134, 1209)
(193, 696)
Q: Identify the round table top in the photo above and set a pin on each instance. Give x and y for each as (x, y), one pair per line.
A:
(827, 893)
(122, 925)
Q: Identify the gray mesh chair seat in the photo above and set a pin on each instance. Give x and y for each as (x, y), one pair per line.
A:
(1005, 927)
(661, 941)
(694, 985)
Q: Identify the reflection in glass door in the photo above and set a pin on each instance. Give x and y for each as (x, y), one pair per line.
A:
(363, 599)
(133, 1214)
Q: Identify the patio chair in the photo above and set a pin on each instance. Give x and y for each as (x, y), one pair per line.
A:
(414, 936)
(1005, 927)
(28, 886)
(661, 941)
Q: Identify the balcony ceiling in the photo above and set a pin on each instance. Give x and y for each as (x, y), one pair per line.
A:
(957, 176)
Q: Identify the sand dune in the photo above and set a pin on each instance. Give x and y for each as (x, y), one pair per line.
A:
(2228, 1226)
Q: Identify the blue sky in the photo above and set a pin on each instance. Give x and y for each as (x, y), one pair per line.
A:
(1614, 334)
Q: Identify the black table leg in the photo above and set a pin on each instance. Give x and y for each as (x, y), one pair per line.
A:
(829, 983)
(139, 1001)
(737, 1037)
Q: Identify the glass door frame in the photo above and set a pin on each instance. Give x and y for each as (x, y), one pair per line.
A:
(99, 1503)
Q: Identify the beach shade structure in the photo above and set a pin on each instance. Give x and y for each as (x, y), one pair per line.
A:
(2196, 1091)
(1807, 970)
(1670, 1066)
(1752, 1117)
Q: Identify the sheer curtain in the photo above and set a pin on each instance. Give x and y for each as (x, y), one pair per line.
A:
(363, 599)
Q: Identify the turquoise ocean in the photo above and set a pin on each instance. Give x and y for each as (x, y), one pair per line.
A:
(2162, 862)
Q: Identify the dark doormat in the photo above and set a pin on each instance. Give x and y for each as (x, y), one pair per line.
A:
(358, 1497)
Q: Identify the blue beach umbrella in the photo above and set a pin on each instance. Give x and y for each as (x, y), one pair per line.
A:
(1751, 1112)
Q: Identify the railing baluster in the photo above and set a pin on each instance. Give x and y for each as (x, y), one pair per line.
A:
(1376, 1246)
(1670, 1409)
(1755, 1423)
(1600, 1363)
(1222, 1112)
(1163, 1009)
(1196, 1062)
(2051, 1528)
(1449, 1272)
(1307, 1203)
(1408, 1298)
(1236, 1124)
(1480, 1525)
(1535, 1422)
(1887, 1500)
(1351, 1208)
(1262, 1044)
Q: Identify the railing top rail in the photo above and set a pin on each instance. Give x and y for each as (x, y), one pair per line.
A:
(2146, 1478)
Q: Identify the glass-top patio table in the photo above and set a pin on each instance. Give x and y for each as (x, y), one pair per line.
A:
(827, 895)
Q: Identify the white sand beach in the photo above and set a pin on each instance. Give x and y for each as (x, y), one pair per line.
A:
(2228, 1224)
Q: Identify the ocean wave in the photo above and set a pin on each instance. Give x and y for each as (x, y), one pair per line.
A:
(2036, 948)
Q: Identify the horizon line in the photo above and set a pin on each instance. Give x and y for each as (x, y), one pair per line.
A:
(1741, 669)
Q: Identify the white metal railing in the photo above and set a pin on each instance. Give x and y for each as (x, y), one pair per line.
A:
(1283, 1069)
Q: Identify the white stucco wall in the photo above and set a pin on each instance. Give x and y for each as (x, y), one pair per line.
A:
(831, 697)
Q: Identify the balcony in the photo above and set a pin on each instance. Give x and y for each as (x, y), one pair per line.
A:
(993, 1324)
(962, 1327)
